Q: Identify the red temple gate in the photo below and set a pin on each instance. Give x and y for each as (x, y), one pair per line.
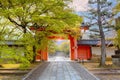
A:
(76, 51)
(43, 55)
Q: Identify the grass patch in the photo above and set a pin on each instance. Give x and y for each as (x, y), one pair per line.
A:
(17, 66)
(10, 66)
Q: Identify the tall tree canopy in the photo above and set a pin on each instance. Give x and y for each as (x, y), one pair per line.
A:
(54, 16)
(8, 31)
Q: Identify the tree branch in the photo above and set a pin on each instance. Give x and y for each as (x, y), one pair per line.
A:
(13, 21)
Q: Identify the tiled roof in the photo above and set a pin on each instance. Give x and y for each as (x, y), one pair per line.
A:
(93, 42)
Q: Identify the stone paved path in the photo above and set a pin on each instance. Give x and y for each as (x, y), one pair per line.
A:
(59, 69)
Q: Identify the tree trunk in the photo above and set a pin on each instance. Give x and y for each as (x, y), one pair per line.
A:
(24, 30)
(103, 50)
(103, 46)
(34, 54)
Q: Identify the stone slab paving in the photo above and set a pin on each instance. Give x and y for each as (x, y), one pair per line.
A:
(83, 72)
(61, 70)
(35, 73)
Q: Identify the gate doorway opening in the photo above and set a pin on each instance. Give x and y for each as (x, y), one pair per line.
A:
(59, 50)
(43, 55)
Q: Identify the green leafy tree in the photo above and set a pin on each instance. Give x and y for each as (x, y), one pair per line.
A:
(101, 12)
(13, 55)
(53, 16)
(117, 39)
(8, 31)
(117, 28)
(116, 10)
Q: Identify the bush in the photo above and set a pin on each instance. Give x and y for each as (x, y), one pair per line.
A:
(14, 55)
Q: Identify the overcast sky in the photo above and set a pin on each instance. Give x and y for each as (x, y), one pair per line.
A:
(79, 5)
(82, 5)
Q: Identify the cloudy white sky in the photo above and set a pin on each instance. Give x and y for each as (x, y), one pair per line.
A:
(79, 5)
(82, 5)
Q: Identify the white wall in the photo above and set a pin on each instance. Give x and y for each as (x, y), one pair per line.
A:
(109, 51)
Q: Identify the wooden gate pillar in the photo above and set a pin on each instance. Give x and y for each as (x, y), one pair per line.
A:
(73, 48)
(42, 55)
(45, 55)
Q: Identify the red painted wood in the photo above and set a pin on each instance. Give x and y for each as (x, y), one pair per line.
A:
(45, 55)
(75, 51)
(73, 47)
(38, 56)
(84, 52)
(42, 55)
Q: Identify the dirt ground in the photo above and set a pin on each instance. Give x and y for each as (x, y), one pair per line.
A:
(106, 73)
(108, 77)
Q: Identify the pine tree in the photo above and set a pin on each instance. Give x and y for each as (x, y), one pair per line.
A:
(100, 14)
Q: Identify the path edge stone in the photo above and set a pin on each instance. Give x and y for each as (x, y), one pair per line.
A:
(28, 74)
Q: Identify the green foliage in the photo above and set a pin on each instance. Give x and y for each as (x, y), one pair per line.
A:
(29, 52)
(52, 47)
(29, 41)
(65, 46)
(116, 9)
(38, 41)
(53, 15)
(24, 63)
(10, 54)
(117, 39)
(7, 30)
(13, 55)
